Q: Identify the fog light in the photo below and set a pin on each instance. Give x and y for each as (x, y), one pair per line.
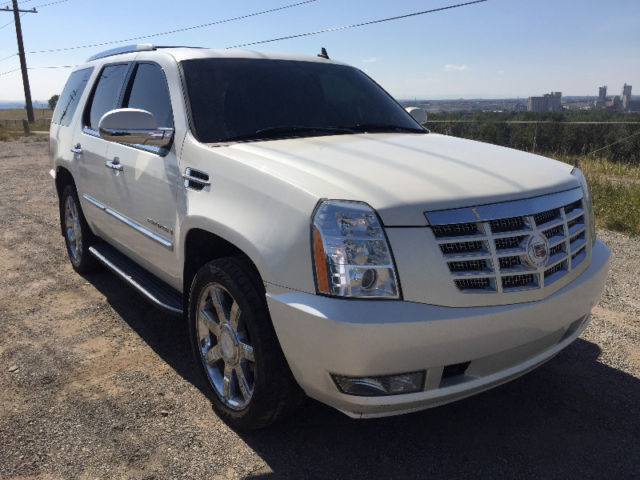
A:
(376, 386)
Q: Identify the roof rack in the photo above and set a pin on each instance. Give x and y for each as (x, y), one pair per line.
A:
(143, 47)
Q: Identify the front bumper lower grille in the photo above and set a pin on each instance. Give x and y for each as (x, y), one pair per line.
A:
(489, 250)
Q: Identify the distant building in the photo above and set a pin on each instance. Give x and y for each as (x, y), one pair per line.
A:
(602, 97)
(548, 102)
(619, 103)
(626, 97)
(615, 103)
(602, 94)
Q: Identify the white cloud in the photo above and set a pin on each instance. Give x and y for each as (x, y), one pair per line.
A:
(500, 72)
(369, 60)
(456, 68)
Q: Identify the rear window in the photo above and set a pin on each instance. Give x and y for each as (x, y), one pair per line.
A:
(68, 101)
(107, 93)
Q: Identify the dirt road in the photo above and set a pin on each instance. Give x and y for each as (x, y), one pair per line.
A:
(95, 383)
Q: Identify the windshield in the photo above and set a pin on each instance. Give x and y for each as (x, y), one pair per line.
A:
(254, 99)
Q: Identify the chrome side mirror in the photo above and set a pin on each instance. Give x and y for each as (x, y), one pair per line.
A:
(135, 127)
(418, 114)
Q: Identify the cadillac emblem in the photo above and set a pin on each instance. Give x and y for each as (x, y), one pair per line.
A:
(538, 250)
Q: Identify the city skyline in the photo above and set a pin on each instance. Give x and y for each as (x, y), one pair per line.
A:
(496, 49)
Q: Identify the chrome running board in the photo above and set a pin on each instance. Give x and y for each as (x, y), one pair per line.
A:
(151, 287)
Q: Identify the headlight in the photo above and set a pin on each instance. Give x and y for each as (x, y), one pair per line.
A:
(586, 195)
(351, 254)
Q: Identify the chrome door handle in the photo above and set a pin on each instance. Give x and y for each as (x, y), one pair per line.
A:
(115, 165)
(76, 149)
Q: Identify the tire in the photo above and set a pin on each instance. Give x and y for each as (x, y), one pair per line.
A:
(77, 234)
(236, 348)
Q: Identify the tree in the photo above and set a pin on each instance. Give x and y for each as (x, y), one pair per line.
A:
(53, 101)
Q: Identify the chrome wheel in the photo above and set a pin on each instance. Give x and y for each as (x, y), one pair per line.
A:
(72, 228)
(225, 347)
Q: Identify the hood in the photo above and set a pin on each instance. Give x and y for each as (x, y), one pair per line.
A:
(404, 175)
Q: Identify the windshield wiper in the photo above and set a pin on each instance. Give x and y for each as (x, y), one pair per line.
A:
(274, 132)
(381, 127)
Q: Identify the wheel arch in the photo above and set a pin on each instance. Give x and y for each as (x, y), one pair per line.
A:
(63, 178)
(202, 246)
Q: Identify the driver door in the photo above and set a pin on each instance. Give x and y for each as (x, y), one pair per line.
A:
(143, 188)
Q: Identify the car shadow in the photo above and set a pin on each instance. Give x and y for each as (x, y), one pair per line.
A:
(573, 417)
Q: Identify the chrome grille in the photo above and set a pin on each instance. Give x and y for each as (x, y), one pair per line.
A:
(497, 253)
(455, 230)
(509, 242)
(461, 247)
(507, 224)
(468, 266)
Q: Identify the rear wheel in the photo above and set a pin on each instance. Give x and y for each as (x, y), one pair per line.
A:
(77, 235)
(236, 347)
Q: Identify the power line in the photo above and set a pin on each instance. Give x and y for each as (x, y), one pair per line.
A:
(9, 56)
(51, 3)
(11, 22)
(615, 143)
(6, 4)
(55, 66)
(355, 25)
(184, 29)
(38, 68)
(9, 71)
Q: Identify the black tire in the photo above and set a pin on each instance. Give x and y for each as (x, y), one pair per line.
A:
(274, 391)
(78, 238)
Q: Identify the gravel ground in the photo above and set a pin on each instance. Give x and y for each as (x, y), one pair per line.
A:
(95, 383)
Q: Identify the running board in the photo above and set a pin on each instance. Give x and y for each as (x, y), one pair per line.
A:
(150, 286)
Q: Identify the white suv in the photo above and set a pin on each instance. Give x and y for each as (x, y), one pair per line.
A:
(314, 236)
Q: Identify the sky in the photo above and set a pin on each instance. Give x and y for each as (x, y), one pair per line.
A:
(495, 49)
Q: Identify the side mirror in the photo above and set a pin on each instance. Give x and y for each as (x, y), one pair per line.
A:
(135, 127)
(418, 114)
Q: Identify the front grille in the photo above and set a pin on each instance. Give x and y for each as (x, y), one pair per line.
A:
(546, 217)
(462, 247)
(575, 222)
(473, 284)
(502, 254)
(518, 281)
(509, 242)
(456, 230)
(509, 262)
(507, 224)
(556, 268)
(557, 249)
(468, 266)
(554, 232)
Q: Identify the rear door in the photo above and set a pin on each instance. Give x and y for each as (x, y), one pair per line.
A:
(91, 150)
(144, 191)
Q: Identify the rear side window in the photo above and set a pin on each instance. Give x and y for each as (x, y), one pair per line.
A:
(150, 92)
(68, 101)
(107, 93)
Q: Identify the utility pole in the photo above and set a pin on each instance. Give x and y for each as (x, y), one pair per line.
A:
(23, 61)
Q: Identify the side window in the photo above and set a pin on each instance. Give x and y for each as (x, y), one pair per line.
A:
(107, 93)
(68, 101)
(150, 92)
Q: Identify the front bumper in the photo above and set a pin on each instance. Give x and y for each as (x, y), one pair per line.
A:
(321, 336)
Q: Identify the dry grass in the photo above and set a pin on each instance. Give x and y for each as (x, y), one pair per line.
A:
(615, 188)
(21, 113)
(11, 122)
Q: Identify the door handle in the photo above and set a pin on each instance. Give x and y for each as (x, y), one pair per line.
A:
(114, 165)
(76, 149)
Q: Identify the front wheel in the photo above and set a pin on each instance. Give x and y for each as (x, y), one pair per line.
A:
(236, 348)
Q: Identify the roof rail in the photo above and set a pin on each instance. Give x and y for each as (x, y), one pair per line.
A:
(143, 47)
